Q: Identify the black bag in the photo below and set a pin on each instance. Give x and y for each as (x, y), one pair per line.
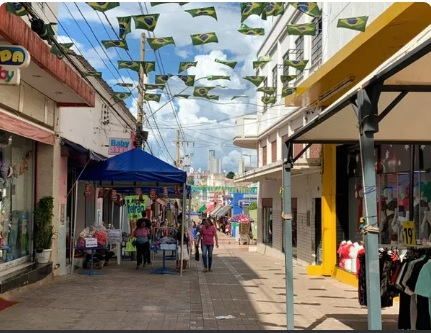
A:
(196, 253)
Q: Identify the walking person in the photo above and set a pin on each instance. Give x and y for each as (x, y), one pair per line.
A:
(142, 234)
(208, 233)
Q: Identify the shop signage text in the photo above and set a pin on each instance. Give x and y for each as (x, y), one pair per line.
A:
(118, 146)
(9, 76)
(14, 56)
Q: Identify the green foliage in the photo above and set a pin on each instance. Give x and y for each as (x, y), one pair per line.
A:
(253, 206)
(230, 175)
(43, 229)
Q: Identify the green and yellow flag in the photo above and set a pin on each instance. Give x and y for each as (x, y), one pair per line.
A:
(162, 3)
(154, 86)
(157, 43)
(120, 96)
(182, 96)
(17, 8)
(268, 99)
(186, 65)
(287, 91)
(205, 38)
(272, 9)
(189, 80)
(246, 30)
(115, 43)
(268, 90)
(125, 85)
(149, 66)
(103, 6)
(239, 96)
(353, 23)
(207, 11)
(287, 78)
(152, 97)
(260, 63)
(251, 8)
(212, 97)
(298, 64)
(132, 65)
(65, 47)
(309, 8)
(146, 22)
(162, 78)
(229, 63)
(256, 80)
(202, 91)
(308, 29)
(218, 77)
(124, 26)
(93, 74)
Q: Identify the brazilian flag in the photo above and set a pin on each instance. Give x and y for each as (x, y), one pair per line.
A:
(115, 43)
(205, 38)
(268, 99)
(353, 23)
(182, 96)
(125, 27)
(239, 96)
(229, 63)
(64, 49)
(287, 91)
(218, 77)
(189, 80)
(149, 66)
(309, 8)
(212, 97)
(287, 78)
(272, 9)
(154, 86)
(298, 64)
(103, 6)
(17, 8)
(308, 29)
(152, 97)
(246, 30)
(162, 78)
(256, 80)
(251, 8)
(146, 22)
(93, 74)
(157, 43)
(268, 90)
(259, 63)
(120, 96)
(207, 11)
(186, 65)
(202, 91)
(132, 65)
(125, 85)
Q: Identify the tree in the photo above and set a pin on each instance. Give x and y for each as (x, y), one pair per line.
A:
(230, 175)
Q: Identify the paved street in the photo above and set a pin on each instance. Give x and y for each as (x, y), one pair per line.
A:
(246, 286)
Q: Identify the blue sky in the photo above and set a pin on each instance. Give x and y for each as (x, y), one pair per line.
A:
(204, 124)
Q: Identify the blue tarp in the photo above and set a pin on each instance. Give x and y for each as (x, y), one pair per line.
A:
(134, 168)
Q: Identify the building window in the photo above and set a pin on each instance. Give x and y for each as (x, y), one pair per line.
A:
(264, 156)
(274, 77)
(316, 43)
(299, 46)
(285, 68)
(265, 84)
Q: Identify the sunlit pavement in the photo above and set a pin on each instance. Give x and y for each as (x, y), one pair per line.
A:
(245, 291)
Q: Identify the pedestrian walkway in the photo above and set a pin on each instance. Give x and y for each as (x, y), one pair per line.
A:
(246, 291)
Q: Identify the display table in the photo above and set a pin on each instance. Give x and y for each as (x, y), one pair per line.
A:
(163, 269)
(92, 249)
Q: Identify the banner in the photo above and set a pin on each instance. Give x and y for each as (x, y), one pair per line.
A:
(135, 208)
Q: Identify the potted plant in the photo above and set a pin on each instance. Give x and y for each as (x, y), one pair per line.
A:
(43, 229)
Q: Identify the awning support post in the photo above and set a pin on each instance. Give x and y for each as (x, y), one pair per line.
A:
(368, 126)
(287, 217)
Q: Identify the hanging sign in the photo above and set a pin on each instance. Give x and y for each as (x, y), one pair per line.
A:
(409, 233)
(9, 76)
(118, 146)
(14, 56)
(135, 207)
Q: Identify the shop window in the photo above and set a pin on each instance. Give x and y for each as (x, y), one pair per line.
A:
(16, 196)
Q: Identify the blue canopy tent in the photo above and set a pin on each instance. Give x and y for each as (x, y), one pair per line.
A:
(136, 169)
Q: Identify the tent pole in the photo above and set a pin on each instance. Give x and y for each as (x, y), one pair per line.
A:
(74, 226)
(183, 223)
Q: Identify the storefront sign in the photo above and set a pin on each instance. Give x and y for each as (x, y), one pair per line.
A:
(14, 56)
(118, 146)
(409, 233)
(9, 76)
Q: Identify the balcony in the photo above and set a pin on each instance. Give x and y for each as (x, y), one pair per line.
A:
(247, 131)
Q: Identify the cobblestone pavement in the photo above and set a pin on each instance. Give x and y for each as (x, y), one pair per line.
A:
(246, 286)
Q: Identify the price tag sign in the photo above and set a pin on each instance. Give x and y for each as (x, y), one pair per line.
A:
(409, 233)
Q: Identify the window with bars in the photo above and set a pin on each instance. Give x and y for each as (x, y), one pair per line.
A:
(299, 46)
(316, 43)
(274, 77)
(286, 68)
(265, 84)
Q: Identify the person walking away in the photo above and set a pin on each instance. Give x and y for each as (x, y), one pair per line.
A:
(142, 240)
(183, 253)
(208, 233)
(195, 231)
(147, 245)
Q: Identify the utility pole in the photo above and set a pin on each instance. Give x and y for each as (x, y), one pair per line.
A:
(140, 140)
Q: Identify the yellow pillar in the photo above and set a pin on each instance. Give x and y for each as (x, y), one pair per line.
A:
(329, 224)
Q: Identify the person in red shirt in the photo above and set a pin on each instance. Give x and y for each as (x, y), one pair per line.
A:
(207, 234)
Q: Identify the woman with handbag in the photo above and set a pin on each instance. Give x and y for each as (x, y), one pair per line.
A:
(142, 234)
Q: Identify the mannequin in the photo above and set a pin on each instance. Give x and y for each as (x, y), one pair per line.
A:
(420, 214)
(404, 202)
(347, 258)
(353, 254)
(389, 210)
